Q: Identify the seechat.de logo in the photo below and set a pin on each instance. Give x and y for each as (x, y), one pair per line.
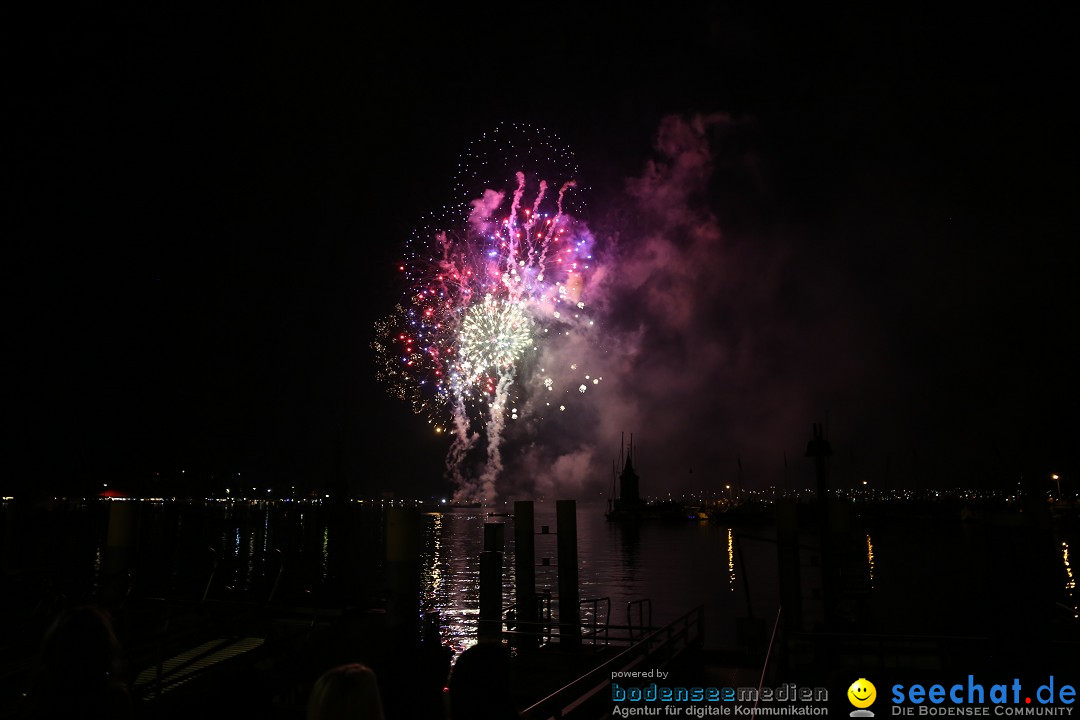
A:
(862, 694)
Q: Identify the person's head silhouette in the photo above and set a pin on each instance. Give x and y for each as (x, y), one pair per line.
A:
(481, 686)
(346, 692)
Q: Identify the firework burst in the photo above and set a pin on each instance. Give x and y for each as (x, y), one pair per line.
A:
(491, 281)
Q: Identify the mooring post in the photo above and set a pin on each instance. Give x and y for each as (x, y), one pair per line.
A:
(120, 544)
(526, 620)
(403, 570)
(569, 604)
(494, 536)
(491, 562)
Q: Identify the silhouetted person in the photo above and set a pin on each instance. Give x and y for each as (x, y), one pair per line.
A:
(346, 692)
(80, 670)
(481, 686)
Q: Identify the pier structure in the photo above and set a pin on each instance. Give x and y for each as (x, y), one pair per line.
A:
(526, 614)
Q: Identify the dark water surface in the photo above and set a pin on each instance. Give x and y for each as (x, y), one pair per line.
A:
(915, 575)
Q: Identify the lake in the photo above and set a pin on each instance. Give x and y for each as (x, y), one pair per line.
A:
(912, 574)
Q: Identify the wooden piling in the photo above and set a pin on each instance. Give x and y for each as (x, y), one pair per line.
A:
(569, 598)
(525, 575)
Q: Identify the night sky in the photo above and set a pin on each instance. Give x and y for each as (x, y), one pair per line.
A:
(861, 219)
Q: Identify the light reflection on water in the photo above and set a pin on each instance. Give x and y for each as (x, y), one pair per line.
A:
(676, 567)
(731, 558)
(451, 571)
(870, 560)
(1070, 579)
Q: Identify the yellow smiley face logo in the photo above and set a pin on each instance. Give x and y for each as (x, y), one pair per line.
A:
(862, 693)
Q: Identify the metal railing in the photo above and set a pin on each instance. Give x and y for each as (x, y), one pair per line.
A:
(641, 611)
(535, 633)
(595, 623)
